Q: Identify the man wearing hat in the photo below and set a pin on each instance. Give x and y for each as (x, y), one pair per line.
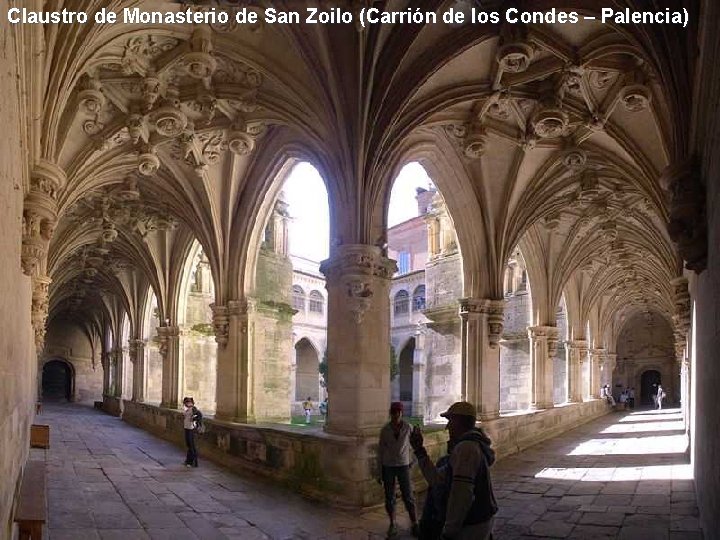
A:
(394, 453)
(465, 479)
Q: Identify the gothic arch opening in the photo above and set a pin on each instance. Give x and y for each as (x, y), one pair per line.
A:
(307, 375)
(289, 294)
(58, 381)
(424, 295)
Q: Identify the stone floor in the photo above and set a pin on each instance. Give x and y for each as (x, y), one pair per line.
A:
(623, 476)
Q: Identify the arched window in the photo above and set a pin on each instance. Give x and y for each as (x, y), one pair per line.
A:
(316, 302)
(298, 298)
(402, 303)
(419, 298)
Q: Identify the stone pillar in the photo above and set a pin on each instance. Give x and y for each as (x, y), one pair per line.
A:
(596, 360)
(482, 325)
(682, 315)
(38, 223)
(118, 381)
(172, 364)
(137, 357)
(543, 346)
(576, 354)
(418, 405)
(358, 285)
(234, 369)
(106, 365)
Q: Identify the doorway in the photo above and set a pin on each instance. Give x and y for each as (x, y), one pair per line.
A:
(57, 381)
(649, 382)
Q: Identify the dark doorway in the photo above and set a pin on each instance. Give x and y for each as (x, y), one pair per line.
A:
(406, 375)
(648, 386)
(56, 381)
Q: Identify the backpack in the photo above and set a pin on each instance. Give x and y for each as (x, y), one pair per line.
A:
(198, 419)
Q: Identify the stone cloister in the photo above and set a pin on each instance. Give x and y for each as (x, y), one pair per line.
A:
(142, 166)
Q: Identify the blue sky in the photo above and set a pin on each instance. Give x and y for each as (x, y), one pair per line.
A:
(306, 194)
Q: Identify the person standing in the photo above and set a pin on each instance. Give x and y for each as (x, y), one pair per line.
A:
(394, 454)
(631, 398)
(660, 396)
(307, 407)
(323, 407)
(192, 417)
(470, 505)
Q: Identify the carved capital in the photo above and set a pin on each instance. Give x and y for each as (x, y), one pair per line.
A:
(40, 215)
(682, 306)
(687, 225)
(493, 310)
(548, 334)
(221, 324)
(358, 260)
(165, 333)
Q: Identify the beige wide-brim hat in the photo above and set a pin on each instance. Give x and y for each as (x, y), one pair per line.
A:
(460, 408)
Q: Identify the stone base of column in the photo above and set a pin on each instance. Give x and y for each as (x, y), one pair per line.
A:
(541, 406)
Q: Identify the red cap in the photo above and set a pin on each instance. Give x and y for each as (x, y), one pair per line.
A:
(396, 406)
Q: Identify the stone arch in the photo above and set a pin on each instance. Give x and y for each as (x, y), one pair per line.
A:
(58, 379)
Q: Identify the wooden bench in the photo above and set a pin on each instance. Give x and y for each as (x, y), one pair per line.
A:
(39, 436)
(31, 512)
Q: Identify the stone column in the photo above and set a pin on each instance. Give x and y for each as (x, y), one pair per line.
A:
(106, 365)
(234, 369)
(596, 360)
(172, 366)
(117, 355)
(576, 353)
(482, 325)
(358, 285)
(137, 357)
(682, 315)
(418, 405)
(543, 346)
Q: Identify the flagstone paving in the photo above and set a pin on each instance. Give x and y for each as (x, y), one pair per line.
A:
(623, 476)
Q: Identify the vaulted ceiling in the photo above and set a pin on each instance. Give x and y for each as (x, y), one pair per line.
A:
(549, 137)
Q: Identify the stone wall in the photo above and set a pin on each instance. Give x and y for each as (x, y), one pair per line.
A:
(706, 289)
(69, 343)
(443, 369)
(514, 433)
(271, 341)
(18, 363)
(200, 368)
(334, 469)
(341, 470)
(515, 369)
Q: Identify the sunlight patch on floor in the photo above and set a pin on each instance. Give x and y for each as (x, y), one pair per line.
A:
(645, 427)
(618, 474)
(661, 444)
